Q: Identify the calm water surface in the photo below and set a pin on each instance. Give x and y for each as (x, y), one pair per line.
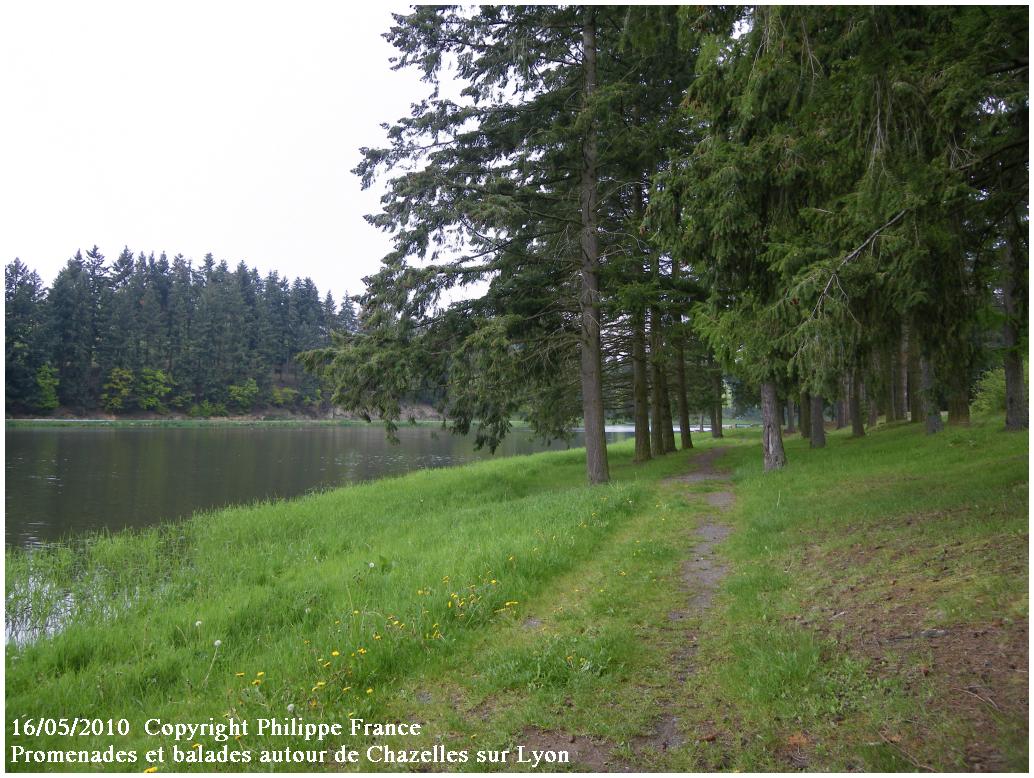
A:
(68, 480)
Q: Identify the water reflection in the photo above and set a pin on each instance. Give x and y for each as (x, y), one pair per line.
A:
(67, 480)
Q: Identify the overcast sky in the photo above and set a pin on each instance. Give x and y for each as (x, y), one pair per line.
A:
(191, 127)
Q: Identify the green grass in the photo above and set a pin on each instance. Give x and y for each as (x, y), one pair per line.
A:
(507, 595)
(880, 537)
(390, 574)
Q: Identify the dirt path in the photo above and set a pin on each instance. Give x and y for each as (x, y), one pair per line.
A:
(700, 575)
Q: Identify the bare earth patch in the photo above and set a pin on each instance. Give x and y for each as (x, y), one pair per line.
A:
(974, 672)
(595, 754)
(703, 469)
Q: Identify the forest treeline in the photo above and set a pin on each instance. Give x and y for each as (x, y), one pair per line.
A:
(147, 334)
(827, 204)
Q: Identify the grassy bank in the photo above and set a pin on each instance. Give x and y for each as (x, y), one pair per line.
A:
(505, 602)
(876, 615)
(324, 603)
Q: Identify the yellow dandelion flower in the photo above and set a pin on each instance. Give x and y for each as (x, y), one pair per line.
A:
(345, 689)
(335, 653)
(196, 745)
(326, 664)
(376, 636)
(256, 682)
(151, 769)
(362, 650)
(369, 691)
(239, 675)
(260, 673)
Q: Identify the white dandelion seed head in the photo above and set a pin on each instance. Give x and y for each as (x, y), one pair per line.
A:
(290, 708)
(218, 643)
(197, 623)
(372, 564)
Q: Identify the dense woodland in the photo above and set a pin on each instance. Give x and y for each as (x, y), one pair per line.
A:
(148, 335)
(625, 213)
(828, 204)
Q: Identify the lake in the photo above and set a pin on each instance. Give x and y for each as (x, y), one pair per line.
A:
(66, 480)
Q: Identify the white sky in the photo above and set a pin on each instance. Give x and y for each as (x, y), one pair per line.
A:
(190, 127)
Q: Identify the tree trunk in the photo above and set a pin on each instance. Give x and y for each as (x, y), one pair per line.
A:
(1016, 411)
(818, 422)
(656, 415)
(915, 387)
(928, 397)
(640, 398)
(893, 392)
(701, 422)
(685, 433)
(855, 404)
(840, 410)
(958, 406)
(667, 423)
(903, 377)
(791, 410)
(716, 404)
(681, 397)
(870, 401)
(772, 435)
(597, 467)
(805, 415)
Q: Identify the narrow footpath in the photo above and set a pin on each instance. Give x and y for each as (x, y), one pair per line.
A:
(701, 574)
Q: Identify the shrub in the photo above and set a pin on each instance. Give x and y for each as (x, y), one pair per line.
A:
(243, 395)
(46, 388)
(990, 390)
(206, 409)
(152, 388)
(118, 392)
(283, 397)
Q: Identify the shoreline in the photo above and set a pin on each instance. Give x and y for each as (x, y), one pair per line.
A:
(507, 603)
